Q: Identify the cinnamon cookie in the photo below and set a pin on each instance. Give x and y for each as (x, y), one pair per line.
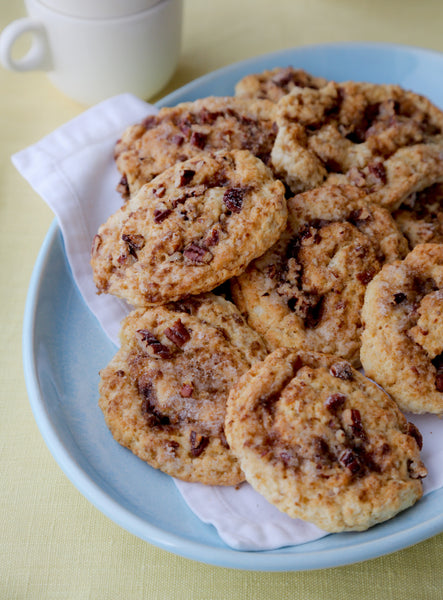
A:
(420, 217)
(193, 227)
(402, 341)
(164, 393)
(276, 83)
(308, 289)
(322, 442)
(381, 138)
(179, 133)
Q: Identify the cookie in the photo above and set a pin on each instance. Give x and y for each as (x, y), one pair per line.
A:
(402, 341)
(420, 217)
(381, 138)
(307, 291)
(164, 393)
(322, 442)
(181, 132)
(276, 83)
(196, 225)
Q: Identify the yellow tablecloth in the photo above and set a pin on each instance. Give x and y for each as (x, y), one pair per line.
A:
(53, 542)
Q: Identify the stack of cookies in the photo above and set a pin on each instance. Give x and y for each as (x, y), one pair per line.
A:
(271, 244)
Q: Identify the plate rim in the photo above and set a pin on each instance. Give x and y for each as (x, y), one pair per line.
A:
(267, 560)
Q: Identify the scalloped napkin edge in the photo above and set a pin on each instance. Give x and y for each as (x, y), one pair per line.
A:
(74, 172)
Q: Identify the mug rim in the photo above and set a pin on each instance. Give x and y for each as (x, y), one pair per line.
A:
(154, 8)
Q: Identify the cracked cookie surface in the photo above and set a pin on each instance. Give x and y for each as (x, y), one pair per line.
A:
(420, 217)
(402, 341)
(307, 291)
(322, 442)
(192, 228)
(164, 393)
(178, 133)
(382, 138)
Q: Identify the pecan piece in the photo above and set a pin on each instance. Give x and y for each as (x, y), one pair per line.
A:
(134, 241)
(198, 443)
(150, 341)
(378, 170)
(357, 426)
(334, 402)
(341, 370)
(186, 176)
(233, 198)
(159, 191)
(196, 254)
(212, 238)
(186, 390)
(198, 139)
(365, 277)
(153, 416)
(350, 460)
(178, 334)
(161, 214)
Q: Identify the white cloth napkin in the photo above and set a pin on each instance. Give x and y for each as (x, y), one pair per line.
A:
(73, 170)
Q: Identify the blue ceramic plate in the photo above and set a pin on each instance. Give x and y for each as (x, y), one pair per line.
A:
(64, 349)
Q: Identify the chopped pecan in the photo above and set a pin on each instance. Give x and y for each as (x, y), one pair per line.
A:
(198, 139)
(157, 348)
(342, 370)
(196, 254)
(161, 214)
(134, 241)
(233, 198)
(378, 170)
(186, 176)
(178, 334)
(350, 460)
(186, 390)
(365, 277)
(334, 402)
(357, 426)
(159, 191)
(198, 443)
(153, 416)
(212, 238)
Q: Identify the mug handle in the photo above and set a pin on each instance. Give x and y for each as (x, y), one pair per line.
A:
(37, 57)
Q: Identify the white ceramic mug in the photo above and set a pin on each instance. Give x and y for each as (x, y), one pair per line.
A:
(119, 46)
